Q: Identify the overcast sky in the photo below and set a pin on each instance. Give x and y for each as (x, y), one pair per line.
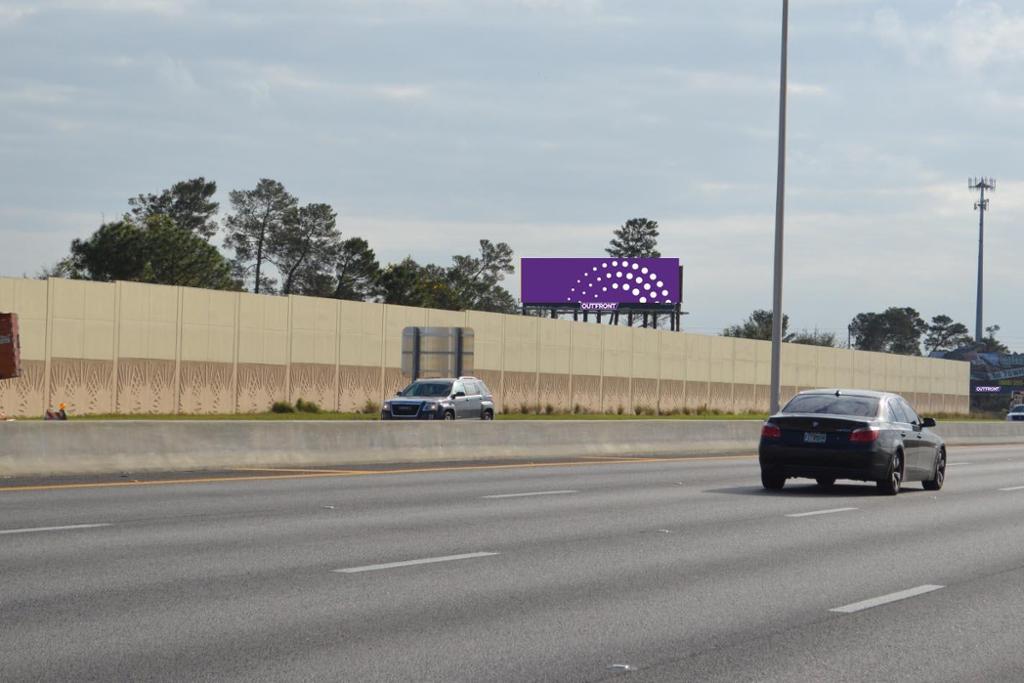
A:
(429, 124)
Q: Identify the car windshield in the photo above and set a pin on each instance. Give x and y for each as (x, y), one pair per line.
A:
(432, 389)
(1018, 409)
(830, 404)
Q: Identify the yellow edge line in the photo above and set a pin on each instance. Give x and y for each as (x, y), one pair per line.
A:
(321, 474)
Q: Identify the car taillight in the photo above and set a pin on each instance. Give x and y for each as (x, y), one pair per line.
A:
(770, 431)
(864, 435)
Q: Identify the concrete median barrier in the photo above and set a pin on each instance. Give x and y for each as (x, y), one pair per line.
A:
(74, 448)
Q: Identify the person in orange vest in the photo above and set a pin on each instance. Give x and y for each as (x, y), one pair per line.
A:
(61, 413)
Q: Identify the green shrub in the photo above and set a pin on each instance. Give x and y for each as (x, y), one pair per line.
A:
(371, 407)
(549, 409)
(524, 408)
(306, 406)
(620, 410)
(282, 407)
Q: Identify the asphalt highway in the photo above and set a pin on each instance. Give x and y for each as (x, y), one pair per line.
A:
(672, 570)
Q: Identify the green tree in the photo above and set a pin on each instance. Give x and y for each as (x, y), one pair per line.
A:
(158, 251)
(637, 237)
(989, 343)
(869, 332)
(905, 330)
(758, 326)
(945, 335)
(398, 282)
(407, 283)
(476, 280)
(357, 271)
(188, 203)
(897, 330)
(814, 338)
(259, 214)
(305, 245)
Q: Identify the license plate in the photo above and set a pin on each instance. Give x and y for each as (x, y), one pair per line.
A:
(814, 437)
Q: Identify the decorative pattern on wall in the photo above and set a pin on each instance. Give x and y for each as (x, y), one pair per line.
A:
(744, 398)
(673, 395)
(260, 385)
(27, 394)
(696, 394)
(762, 393)
(554, 390)
(586, 392)
(313, 382)
(645, 393)
(520, 390)
(205, 388)
(145, 386)
(720, 397)
(616, 393)
(86, 386)
(357, 385)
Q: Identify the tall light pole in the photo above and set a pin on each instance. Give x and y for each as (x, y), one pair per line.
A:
(780, 201)
(981, 184)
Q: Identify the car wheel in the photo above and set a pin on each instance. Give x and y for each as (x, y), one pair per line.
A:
(826, 482)
(449, 415)
(890, 486)
(940, 474)
(488, 415)
(772, 480)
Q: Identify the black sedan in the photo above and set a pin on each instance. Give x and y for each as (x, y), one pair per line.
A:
(851, 434)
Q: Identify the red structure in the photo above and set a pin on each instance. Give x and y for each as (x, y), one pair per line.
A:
(10, 346)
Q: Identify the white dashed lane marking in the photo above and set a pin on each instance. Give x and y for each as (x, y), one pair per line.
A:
(410, 563)
(885, 599)
(531, 493)
(35, 529)
(819, 512)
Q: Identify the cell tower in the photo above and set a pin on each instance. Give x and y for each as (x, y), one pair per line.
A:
(980, 184)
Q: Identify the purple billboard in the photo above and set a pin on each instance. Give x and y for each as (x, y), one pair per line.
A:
(600, 284)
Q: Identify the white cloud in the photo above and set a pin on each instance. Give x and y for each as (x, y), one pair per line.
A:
(176, 75)
(741, 84)
(400, 92)
(974, 34)
(11, 14)
(37, 94)
(262, 81)
(982, 32)
(165, 7)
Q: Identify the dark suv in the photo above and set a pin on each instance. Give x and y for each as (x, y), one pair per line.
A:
(441, 399)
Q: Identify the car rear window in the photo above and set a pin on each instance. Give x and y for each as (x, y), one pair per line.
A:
(427, 389)
(829, 404)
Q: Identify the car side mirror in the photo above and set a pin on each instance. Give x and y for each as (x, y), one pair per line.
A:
(459, 394)
(927, 422)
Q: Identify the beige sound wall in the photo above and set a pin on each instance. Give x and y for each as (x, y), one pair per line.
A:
(148, 349)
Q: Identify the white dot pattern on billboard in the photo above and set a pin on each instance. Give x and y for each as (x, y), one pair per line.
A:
(636, 285)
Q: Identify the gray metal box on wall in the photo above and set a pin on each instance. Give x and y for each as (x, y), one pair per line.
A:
(437, 351)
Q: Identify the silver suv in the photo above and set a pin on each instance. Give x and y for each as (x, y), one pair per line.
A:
(441, 399)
